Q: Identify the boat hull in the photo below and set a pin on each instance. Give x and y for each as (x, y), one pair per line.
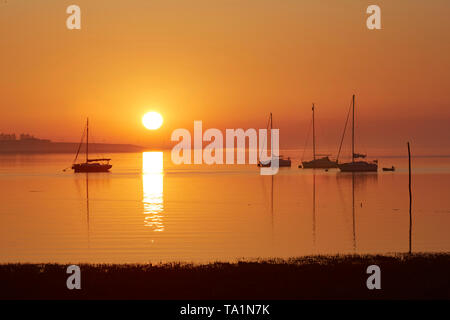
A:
(322, 163)
(91, 167)
(281, 163)
(358, 166)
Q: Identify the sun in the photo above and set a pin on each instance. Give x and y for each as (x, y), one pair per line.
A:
(152, 120)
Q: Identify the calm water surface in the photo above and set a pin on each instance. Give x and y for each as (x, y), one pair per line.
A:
(150, 210)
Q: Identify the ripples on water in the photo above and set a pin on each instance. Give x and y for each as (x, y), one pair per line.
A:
(149, 210)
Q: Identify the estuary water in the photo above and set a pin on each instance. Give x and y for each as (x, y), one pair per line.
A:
(149, 210)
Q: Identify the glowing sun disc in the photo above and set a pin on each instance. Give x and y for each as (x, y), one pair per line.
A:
(152, 120)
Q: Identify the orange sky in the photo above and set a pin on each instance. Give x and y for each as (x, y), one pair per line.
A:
(228, 63)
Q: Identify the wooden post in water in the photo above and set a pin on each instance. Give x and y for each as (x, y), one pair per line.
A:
(87, 140)
(410, 197)
(353, 129)
(271, 201)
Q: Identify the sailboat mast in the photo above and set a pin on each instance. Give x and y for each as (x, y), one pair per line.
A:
(87, 140)
(271, 126)
(353, 129)
(271, 123)
(314, 134)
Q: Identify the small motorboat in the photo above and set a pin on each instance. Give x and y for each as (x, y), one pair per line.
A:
(389, 169)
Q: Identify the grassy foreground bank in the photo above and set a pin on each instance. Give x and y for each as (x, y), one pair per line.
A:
(416, 276)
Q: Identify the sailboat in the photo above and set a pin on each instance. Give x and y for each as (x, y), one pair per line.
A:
(91, 165)
(318, 163)
(281, 161)
(356, 166)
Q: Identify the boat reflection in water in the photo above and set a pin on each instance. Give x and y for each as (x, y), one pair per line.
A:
(359, 180)
(152, 184)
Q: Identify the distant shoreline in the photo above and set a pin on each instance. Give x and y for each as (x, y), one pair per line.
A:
(45, 147)
(403, 276)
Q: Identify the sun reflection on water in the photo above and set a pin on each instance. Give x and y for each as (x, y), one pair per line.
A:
(152, 183)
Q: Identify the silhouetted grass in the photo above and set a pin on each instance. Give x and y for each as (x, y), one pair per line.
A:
(403, 276)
